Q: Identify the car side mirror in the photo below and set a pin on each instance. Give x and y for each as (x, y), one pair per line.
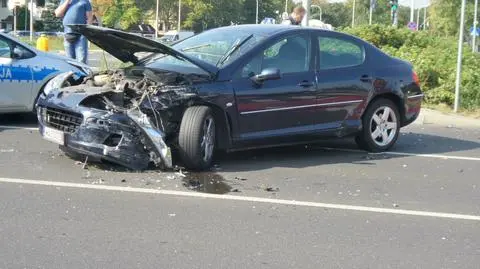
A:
(267, 74)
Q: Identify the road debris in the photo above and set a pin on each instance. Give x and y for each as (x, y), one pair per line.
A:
(272, 189)
(241, 178)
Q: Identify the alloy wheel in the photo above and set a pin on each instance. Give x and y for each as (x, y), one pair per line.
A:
(383, 126)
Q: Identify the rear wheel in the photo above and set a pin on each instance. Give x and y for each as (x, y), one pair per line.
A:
(196, 138)
(381, 126)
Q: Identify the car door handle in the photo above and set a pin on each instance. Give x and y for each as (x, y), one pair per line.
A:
(366, 78)
(305, 84)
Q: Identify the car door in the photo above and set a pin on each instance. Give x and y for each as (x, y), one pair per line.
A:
(15, 77)
(282, 106)
(343, 78)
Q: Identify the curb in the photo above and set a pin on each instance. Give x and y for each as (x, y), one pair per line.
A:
(429, 116)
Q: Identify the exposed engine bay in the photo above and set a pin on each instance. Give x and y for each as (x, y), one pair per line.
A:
(142, 107)
(162, 96)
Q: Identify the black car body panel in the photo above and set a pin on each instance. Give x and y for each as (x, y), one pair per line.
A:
(321, 100)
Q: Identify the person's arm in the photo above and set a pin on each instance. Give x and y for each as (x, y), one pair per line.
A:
(89, 17)
(89, 13)
(62, 8)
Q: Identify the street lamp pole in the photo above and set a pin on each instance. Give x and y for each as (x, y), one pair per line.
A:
(31, 20)
(179, 15)
(412, 10)
(156, 19)
(475, 22)
(425, 18)
(306, 5)
(459, 59)
(418, 17)
(353, 14)
(371, 13)
(256, 14)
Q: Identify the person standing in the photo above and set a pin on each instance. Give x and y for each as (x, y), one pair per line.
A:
(296, 17)
(75, 12)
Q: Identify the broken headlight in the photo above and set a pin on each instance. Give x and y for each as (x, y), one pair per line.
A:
(57, 82)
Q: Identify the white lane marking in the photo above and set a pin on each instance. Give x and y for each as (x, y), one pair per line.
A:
(244, 198)
(437, 156)
(18, 127)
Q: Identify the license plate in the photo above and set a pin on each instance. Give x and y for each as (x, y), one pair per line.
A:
(54, 136)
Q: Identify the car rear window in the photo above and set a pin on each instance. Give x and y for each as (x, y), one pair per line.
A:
(338, 53)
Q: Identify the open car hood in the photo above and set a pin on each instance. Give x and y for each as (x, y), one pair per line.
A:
(123, 46)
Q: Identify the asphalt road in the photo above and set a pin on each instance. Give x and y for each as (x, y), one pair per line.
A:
(306, 206)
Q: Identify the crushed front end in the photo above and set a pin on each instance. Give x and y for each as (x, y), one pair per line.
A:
(129, 117)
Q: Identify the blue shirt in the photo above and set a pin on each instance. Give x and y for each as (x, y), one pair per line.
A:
(76, 13)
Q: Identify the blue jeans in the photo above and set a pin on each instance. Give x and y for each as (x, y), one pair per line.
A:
(77, 50)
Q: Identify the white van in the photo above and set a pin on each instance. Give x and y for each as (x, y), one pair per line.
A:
(174, 36)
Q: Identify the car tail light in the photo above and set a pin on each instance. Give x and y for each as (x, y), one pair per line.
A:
(415, 78)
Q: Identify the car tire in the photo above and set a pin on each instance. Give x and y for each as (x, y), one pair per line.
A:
(196, 138)
(380, 131)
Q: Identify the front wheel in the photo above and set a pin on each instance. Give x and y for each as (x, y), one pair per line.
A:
(381, 126)
(196, 138)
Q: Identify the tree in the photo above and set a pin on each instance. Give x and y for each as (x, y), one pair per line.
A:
(124, 13)
(23, 14)
(50, 22)
(445, 16)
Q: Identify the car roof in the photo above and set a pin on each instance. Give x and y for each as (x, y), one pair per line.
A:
(268, 29)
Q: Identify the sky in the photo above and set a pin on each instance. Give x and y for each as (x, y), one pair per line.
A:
(418, 3)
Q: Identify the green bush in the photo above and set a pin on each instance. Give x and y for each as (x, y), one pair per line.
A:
(434, 59)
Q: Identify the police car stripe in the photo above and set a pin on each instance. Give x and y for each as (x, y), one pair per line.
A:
(24, 73)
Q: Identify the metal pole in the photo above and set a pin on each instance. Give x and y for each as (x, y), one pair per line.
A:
(425, 18)
(353, 14)
(286, 6)
(15, 20)
(459, 59)
(418, 18)
(26, 18)
(306, 5)
(475, 22)
(371, 13)
(156, 20)
(412, 10)
(319, 8)
(256, 14)
(179, 15)
(31, 20)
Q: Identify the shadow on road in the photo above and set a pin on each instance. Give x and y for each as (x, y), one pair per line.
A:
(321, 154)
(23, 120)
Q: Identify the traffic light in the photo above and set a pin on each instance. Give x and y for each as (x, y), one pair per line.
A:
(394, 4)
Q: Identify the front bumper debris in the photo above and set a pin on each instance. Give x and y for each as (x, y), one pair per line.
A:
(128, 139)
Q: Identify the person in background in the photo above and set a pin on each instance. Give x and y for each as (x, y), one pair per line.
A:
(75, 12)
(296, 17)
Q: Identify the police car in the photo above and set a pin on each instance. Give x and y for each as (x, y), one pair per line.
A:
(24, 72)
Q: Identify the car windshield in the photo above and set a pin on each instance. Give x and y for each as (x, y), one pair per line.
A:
(216, 47)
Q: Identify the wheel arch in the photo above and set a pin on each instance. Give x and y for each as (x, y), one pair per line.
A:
(397, 100)
(223, 125)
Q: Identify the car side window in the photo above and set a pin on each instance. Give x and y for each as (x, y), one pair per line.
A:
(338, 53)
(4, 49)
(290, 55)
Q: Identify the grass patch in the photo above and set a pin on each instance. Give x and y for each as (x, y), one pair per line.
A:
(54, 43)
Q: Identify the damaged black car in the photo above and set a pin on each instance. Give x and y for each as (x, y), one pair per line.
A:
(226, 89)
